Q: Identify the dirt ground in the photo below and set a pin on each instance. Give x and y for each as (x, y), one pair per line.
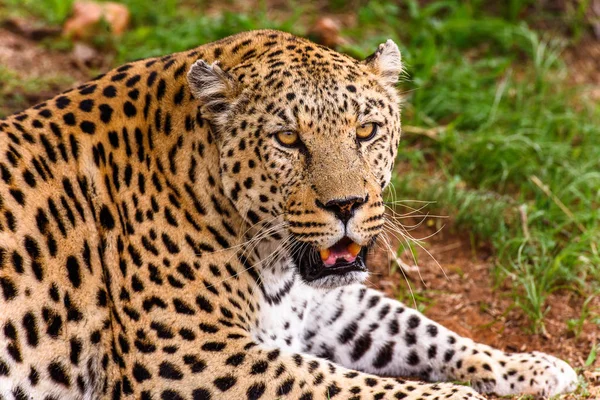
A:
(461, 296)
(584, 66)
(31, 60)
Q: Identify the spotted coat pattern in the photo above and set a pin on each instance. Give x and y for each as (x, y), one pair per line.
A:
(130, 213)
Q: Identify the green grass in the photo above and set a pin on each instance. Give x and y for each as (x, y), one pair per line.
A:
(51, 11)
(516, 157)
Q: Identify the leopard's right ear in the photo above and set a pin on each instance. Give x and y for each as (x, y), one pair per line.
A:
(212, 86)
(386, 62)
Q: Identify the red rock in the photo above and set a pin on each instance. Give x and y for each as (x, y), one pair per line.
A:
(326, 31)
(87, 15)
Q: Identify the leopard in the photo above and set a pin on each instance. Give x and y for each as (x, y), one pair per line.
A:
(196, 226)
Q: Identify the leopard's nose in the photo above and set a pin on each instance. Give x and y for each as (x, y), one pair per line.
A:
(344, 208)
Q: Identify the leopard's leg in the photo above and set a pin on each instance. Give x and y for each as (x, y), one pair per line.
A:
(362, 329)
(243, 369)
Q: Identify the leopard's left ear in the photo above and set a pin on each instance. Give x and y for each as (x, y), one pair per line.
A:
(212, 86)
(386, 62)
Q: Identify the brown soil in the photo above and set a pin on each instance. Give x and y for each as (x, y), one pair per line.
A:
(30, 61)
(464, 298)
(583, 61)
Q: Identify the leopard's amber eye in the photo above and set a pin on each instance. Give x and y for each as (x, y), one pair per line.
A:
(366, 131)
(288, 138)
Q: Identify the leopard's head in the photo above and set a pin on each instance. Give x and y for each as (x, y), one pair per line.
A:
(307, 139)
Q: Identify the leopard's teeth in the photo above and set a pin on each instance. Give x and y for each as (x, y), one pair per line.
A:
(354, 249)
(324, 254)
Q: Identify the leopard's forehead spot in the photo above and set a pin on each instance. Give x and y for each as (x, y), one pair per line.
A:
(300, 64)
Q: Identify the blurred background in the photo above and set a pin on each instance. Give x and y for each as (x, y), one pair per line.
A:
(497, 182)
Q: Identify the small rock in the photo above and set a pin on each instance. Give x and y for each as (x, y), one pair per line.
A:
(87, 15)
(84, 54)
(326, 31)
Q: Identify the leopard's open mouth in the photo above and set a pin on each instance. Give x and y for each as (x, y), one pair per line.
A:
(340, 259)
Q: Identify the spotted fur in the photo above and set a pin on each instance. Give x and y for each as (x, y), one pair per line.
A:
(149, 222)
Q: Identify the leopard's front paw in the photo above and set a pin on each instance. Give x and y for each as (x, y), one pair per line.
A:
(538, 374)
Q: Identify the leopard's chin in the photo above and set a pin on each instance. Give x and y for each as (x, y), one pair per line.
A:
(342, 264)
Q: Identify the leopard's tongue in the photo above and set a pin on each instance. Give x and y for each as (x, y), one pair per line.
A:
(345, 250)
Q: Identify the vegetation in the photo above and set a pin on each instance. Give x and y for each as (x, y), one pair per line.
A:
(17, 92)
(487, 106)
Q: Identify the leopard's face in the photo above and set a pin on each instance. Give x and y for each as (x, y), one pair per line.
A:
(306, 155)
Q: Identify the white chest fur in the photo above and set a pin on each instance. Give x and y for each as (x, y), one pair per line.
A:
(285, 301)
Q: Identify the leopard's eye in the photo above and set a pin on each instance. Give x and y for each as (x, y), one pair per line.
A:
(366, 131)
(288, 138)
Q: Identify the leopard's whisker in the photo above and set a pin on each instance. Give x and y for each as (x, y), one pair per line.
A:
(416, 241)
(412, 254)
(412, 294)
